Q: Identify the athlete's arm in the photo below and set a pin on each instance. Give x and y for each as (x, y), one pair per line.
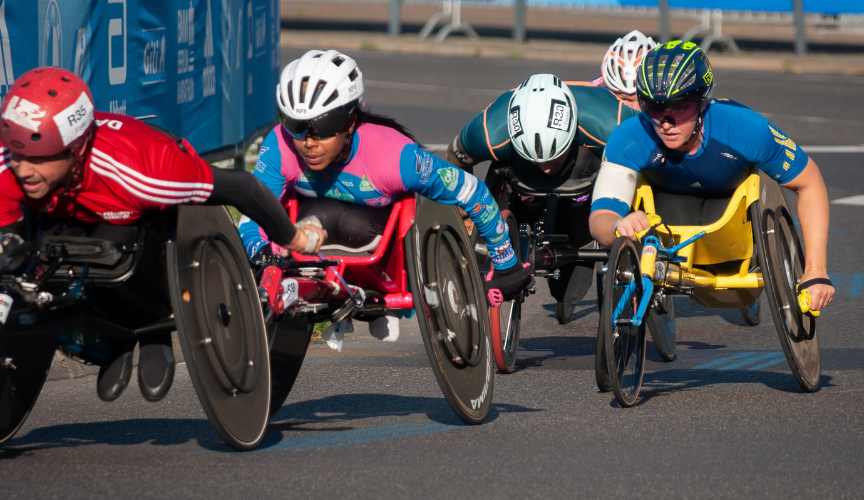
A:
(424, 173)
(457, 155)
(813, 213)
(610, 207)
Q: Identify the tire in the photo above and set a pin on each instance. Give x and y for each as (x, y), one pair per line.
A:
(624, 345)
(21, 384)
(663, 330)
(504, 320)
(289, 342)
(782, 263)
(601, 373)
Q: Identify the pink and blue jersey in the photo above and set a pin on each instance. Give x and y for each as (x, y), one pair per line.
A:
(383, 165)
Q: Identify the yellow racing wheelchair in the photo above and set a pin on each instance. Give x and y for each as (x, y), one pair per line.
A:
(752, 245)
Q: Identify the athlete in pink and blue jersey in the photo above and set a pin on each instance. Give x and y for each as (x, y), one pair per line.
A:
(328, 148)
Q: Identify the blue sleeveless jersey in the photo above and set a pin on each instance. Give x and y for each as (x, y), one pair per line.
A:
(736, 141)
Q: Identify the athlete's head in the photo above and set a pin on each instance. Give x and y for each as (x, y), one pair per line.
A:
(46, 122)
(319, 96)
(622, 60)
(674, 87)
(542, 118)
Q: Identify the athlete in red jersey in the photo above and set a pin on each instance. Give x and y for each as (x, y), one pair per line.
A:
(60, 159)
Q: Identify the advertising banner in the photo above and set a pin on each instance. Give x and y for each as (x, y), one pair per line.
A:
(202, 69)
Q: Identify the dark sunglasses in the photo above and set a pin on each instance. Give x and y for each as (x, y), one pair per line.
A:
(678, 110)
(320, 127)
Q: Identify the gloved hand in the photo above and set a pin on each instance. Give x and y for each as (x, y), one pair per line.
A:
(507, 284)
(265, 256)
(310, 235)
(13, 252)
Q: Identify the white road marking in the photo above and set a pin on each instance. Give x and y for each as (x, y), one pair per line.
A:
(850, 200)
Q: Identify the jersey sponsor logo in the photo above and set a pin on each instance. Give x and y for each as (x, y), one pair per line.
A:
(450, 177)
(515, 122)
(728, 155)
(337, 194)
(117, 215)
(476, 209)
(469, 187)
(25, 113)
(500, 227)
(696, 185)
(365, 185)
(424, 165)
(489, 213)
(381, 201)
(74, 121)
(503, 254)
(559, 116)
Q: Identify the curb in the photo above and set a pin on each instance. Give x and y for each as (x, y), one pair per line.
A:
(557, 51)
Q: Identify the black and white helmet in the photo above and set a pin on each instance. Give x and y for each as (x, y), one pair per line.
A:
(542, 118)
(318, 82)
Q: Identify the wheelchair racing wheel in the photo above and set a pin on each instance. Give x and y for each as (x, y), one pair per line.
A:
(504, 320)
(289, 341)
(24, 365)
(661, 325)
(449, 297)
(624, 344)
(782, 262)
(601, 372)
(220, 324)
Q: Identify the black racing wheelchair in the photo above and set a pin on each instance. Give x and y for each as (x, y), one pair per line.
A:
(548, 217)
(78, 289)
(423, 260)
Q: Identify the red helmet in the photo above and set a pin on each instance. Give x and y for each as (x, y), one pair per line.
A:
(45, 112)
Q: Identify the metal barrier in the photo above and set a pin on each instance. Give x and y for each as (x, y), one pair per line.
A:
(710, 12)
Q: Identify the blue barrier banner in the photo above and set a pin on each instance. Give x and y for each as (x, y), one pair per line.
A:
(202, 69)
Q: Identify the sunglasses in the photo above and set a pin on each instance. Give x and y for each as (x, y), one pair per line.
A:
(678, 112)
(321, 127)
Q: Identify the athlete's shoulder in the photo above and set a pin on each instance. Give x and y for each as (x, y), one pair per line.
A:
(631, 144)
(382, 135)
(737, 126)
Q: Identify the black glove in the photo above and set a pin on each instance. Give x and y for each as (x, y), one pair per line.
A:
(13, 252)
(264, 257)
(507, 284)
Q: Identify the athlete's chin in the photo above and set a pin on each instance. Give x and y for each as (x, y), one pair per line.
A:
(672, 141)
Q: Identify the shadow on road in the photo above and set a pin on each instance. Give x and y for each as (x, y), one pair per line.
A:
(676, 380)
(336, 412)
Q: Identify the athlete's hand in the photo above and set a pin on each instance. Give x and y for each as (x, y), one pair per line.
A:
(631, 224)
(821, 294)
(466, 219)
(13, 251)
(310, 236)
(507, 284)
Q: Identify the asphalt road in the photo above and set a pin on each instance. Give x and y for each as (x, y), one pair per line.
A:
(726, 420)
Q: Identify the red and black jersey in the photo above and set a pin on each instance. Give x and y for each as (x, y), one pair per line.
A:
(131, 168)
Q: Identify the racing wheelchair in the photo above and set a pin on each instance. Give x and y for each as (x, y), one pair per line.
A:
(535, 208)
(423, 262)
(81, 287)
(714, 264)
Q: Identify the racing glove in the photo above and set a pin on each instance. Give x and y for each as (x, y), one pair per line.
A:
(507, 284)
(13, 252)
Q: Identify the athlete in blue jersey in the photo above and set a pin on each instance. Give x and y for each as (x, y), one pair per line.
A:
(347, 164)
(692, 147)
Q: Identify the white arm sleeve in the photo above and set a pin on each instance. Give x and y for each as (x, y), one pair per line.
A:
(615, 183)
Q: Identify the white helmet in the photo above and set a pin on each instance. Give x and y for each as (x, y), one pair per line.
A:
(622, 61)
(331, 79)
(542, 121)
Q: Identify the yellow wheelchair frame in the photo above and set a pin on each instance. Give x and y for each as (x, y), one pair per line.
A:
(727, 263)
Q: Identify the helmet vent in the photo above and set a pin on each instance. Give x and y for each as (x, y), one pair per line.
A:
(291, 94)
(338, 60)
(65, 79)
(52, 93)
(332, 97)
(318, 88)
(36, 137)
(538, 146)
(25, 84)
(303, 84)
(353, 75)
(553, 148)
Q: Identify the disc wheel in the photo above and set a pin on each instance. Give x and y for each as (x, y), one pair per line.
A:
(782, 263)
(624, 344)
(449, 299)
(289, 341)
(504, 320)
(25, 365)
